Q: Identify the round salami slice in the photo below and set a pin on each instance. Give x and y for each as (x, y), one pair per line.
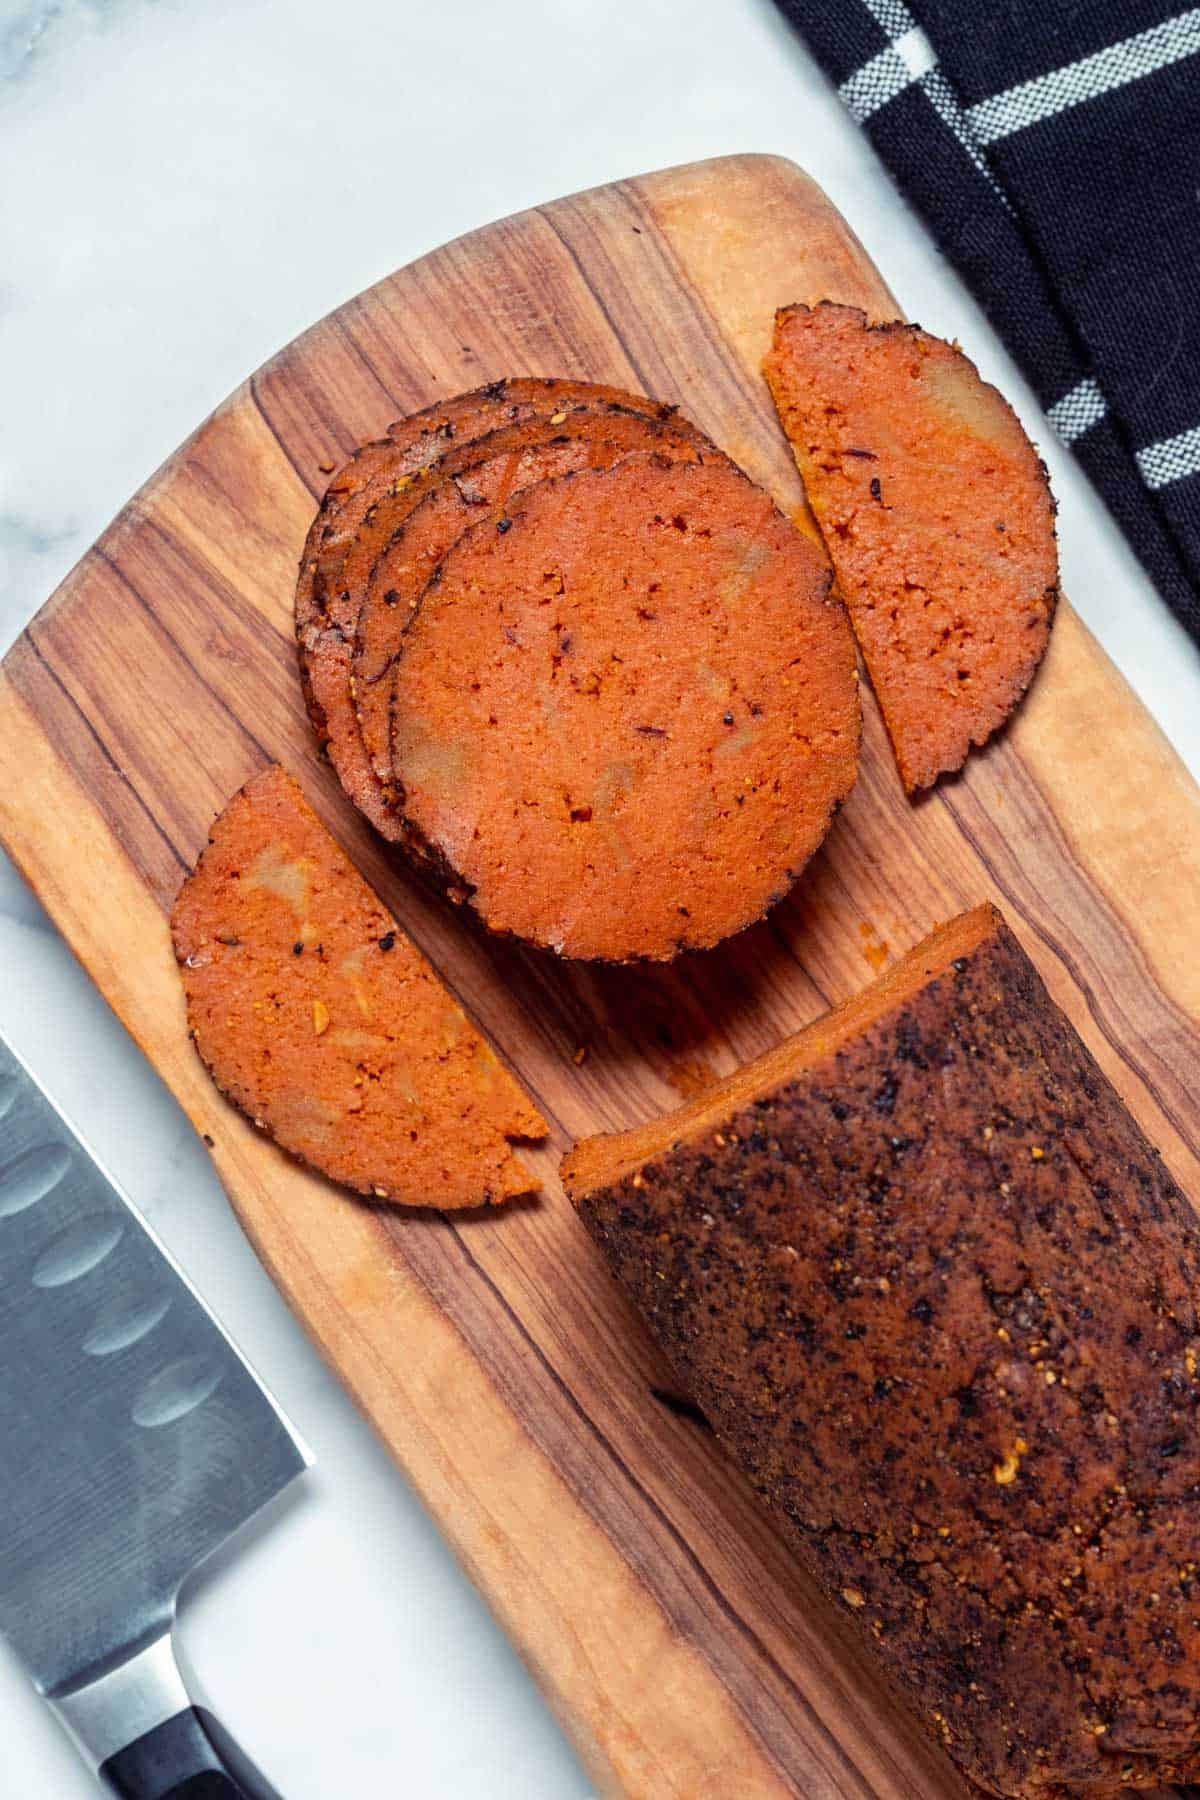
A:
(451, 503)
(366, 501)
(626, 711)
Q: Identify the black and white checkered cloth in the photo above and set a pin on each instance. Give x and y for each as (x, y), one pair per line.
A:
(1054, 148)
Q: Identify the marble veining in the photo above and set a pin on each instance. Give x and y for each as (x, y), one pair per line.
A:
(28, 31)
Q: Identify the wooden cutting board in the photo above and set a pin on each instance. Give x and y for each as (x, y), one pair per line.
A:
(685, 1653)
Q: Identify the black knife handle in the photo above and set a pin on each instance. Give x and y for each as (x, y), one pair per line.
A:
(177, 1760)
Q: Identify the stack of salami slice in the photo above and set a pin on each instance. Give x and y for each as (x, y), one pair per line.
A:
(570, 658)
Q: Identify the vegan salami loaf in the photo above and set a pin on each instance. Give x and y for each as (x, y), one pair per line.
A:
(625, 712)
(938, 1296)
(319, 1019)
(363, 504)
(937, 516)
(446, 505)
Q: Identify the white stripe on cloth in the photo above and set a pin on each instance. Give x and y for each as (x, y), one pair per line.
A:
(1130, 60)
(892, 16)
(946, 105)
(887, 74)
(1078, 410)
(911, 58)
(1171, 460)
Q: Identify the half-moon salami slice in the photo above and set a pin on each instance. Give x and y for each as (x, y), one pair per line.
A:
(322, 1021)
(937, 516)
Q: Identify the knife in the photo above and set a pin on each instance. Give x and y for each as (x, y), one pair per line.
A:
(134, 1440)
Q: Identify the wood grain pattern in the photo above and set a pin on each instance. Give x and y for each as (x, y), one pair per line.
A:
(648, 1591)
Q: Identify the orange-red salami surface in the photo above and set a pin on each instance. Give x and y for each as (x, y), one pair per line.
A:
(626, 711)
(323, 634)
(447, 504)
(319, 1019)
(356, 517)
(937, 516)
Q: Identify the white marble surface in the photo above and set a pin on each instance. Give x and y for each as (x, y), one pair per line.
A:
(185, 186)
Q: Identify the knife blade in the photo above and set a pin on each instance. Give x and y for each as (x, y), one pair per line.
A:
(134, 1441)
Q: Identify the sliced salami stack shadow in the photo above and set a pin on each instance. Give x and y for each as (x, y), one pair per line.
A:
(567, 656)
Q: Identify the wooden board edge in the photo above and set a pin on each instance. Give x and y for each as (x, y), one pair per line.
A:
(596, 1678)
(1124, 876)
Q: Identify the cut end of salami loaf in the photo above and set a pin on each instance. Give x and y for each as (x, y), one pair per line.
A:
(937, 516)
(320, 1019)
(599, 1161)
(625, 712)
(938, 1297)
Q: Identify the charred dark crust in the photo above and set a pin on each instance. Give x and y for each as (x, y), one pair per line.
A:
(940, 1298)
